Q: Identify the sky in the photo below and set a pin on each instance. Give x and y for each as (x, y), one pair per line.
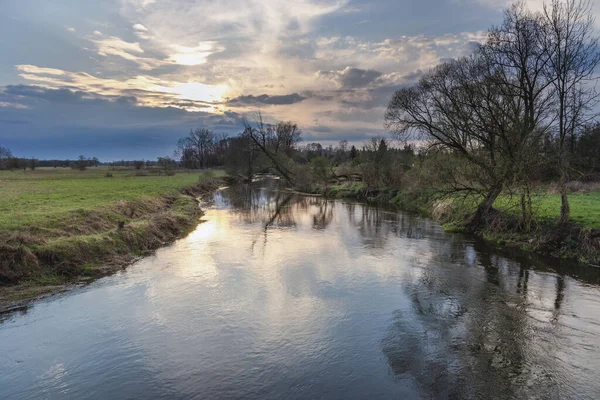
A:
(124, 79)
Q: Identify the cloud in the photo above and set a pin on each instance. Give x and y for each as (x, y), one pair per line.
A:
(64, 123)
(156, 66)
(32, 69)
(192, 55)
(140, 27)
(265, 99)
(149, 91)
(35, 92)
(131, 51)
(350, 77)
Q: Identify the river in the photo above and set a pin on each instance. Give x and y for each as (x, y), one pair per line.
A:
(277, 295)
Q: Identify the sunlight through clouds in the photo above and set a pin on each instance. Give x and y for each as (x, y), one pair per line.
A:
(192, 55)
(332, 63)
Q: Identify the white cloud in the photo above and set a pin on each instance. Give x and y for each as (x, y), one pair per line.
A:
(207, 50)
(192, 55)
(140, 27)
(32, 69)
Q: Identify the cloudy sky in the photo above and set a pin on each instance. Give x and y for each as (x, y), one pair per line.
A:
(126, 78)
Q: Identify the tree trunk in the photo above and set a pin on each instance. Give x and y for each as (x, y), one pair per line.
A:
(485, 207)
(565, 208)
(526, 208)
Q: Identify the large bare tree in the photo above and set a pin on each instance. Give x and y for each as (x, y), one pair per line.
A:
(461, 107)
(571, 44)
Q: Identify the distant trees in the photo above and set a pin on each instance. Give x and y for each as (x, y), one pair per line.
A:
(202, 148)
(138, 164)
(586, 157)
(353, 153)
(5, 156)
(81, 164)
(167, 165)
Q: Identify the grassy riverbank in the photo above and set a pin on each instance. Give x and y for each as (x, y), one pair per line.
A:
(579, 240)
(60, 225)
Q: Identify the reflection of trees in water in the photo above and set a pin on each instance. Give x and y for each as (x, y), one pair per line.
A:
(377, 225)
(468, 333)
(274, 208)
(324, 215)
(264, 204)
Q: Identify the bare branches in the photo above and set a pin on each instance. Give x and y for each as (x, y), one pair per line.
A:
(571, 46)
(275, 143)
(494, 108)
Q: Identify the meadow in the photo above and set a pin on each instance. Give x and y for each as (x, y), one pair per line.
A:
(58, 225)
(585, 207)
(45, 197)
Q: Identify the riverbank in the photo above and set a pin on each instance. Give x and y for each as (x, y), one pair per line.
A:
(61, 228)
(579, 240)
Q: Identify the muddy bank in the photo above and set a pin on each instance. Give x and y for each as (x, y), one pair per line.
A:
(97, 243)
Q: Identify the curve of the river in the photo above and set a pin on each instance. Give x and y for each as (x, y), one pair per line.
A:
(277, 295)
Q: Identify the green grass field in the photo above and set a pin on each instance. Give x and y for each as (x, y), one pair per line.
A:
(44, 197)
(585, 207)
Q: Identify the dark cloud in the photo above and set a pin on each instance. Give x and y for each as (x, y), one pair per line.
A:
(321, 128)
(251, 100)
(413, 76)
(108, 128)
(368, 99)
(318, 95)
(350, 77)
(54, 95)
(32, 94)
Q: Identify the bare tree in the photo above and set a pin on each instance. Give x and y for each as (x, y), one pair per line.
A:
(495, 108)
(286, 136)
(267, 139)
(458, 107)
(572, 47)
(196, 149)
(241, 156)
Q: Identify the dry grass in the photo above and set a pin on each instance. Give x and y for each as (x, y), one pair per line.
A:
(123, 217)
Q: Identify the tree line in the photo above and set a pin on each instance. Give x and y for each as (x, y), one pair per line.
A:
(10, 162)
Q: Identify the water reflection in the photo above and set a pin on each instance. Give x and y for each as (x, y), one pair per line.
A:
(281, 295)
(475, 331)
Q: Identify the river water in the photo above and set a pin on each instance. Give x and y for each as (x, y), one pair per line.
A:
(278, 295)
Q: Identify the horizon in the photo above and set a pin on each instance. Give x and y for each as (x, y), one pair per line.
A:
(124, 79)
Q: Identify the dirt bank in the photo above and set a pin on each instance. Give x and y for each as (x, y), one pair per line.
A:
(95, 243)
